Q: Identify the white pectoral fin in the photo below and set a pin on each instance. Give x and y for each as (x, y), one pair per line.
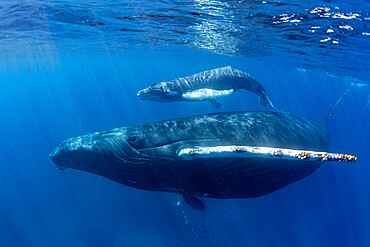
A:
(261, 152)
(206, 94)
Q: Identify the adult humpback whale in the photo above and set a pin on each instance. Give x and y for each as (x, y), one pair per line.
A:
(205, 86)
(151, 156)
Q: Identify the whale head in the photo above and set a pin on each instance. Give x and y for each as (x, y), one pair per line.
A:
(114, 154)
(157, 92)
(76, 153)
(91, 152)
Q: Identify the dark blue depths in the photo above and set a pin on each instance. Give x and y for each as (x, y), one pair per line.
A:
(55, 93)
(46, 101)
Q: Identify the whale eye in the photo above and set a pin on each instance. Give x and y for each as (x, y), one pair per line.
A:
(132, 138)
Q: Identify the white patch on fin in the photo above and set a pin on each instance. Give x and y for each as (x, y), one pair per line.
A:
(206, 94)
(261, 152)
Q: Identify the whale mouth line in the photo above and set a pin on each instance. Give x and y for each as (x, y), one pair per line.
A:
(141, 94)
(56, 164)
(59, 167)
(152, 97)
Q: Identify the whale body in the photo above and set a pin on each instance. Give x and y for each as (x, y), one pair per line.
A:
(205, 86)
(147, 156)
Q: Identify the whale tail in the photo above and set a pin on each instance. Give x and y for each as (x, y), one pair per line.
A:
(265, 100)
(334, 107)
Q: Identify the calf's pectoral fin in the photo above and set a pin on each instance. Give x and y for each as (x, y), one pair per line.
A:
(215, 103)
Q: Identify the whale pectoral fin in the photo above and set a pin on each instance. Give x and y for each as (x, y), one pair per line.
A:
(215, 102)
(194, 202)
(194, 214)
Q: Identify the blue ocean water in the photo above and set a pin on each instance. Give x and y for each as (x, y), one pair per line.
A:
(67, 69)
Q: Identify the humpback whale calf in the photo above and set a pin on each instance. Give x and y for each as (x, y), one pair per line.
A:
(205, 86)
(156, 156)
